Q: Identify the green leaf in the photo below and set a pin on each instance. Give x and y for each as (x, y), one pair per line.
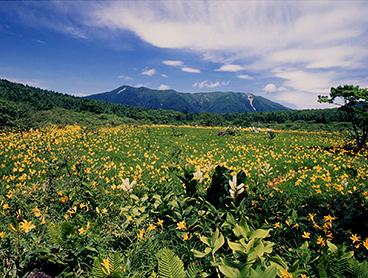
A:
(236, 247)
(294, 267)
(205, 240)
(242, 230)
(219, 242)
(270, 272)
(214, 237)
(170, 265)
(260, 233)
(278, 261)
(230, 269)
(198, 254)
(331, 247)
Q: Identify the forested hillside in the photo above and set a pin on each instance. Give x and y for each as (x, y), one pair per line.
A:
(214, 102)
(25, 106)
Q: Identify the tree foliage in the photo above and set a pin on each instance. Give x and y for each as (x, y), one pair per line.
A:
(23, 107)
(355, 104)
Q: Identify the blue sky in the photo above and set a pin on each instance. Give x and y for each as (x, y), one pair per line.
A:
(287, 51)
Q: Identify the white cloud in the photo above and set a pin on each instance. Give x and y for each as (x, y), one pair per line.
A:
(164, 87)
(270, 88)
(207, 84)
(231, 68)
(301, 100)
(127, 78)
(30, 82)
(308, 46)
(149, 72)
(75, 32)
(244, 76)
(190, 70)
(173, 63)
(318, 82)
(164, 76)
(142, 85)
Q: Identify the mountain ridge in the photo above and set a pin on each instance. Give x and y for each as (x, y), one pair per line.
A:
(199, 102)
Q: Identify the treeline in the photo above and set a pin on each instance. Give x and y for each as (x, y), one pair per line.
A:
(25, 106)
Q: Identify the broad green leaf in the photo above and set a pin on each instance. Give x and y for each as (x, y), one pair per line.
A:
(268, 247)
(214, 237)
(144, 198)
(277, 260)
(294, 267)
(198, 254)
(259, 249)
(331, 247)
(207, 250)
(242, 230)
(230, 272)
(134, 197)
(219, 242)
(260, 233)
(205, 240)
(236, 247)
(270, 272)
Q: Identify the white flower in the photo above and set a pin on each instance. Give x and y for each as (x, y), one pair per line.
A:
(198, 174)
(126, 186)
(235, 189)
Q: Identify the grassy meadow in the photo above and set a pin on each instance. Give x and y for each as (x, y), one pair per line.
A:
(179, 201)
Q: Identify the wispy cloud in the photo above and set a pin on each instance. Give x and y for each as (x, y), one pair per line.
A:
(149, 72)
(231, 68)
(305, 47)
(315, 38)
(173, 63)
(245, 76)
(207, 84)
(164, 87)
(191, 70)
(127, 78)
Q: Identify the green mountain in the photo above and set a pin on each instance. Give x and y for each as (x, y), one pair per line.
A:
(214, 102)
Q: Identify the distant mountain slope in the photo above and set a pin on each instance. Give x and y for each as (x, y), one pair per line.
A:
(214, 102)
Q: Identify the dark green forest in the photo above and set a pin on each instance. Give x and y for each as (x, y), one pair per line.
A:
(23, 107)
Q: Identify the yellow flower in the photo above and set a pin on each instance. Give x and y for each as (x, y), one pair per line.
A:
(286, 274)
(106, 266)
(140, 235)
(12, 227)
(81, 231)
(2, 234)
(311, 216)
(277, 225)
(151, 228)
(129, 218)
(354, 238)
(187, 236)
(160, 222)
(181, 225)
(26, 226)
(365, 243)
(329, 218)
(306, 235)
(320, 241)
